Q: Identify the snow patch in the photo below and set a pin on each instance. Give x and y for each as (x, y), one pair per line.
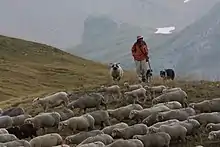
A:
(165, 30)
(186, 1)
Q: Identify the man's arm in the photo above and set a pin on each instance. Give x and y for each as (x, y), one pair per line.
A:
(133, 49)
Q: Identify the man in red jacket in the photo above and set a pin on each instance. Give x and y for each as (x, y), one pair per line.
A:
(140, 55)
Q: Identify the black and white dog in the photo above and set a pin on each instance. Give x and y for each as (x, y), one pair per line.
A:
(149, 75)
(167, 74)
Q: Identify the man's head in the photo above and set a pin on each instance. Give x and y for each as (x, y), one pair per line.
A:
(139, 38)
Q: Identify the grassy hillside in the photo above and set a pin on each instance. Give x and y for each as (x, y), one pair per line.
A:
(28, 69)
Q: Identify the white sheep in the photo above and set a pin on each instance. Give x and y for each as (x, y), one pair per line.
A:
(16, 143)
(166, 90)
(171, 105)
(79, 137)
(139, 115)
(122, 113)
(155, 89)
(129, 132)
(82, 123)
(47, 140)
(108, 130)
(132, 87)
(52, 101)
(104, 138)
(126, 143)
(101, 117)
(93, 144)
(112, 90)
(178, 95)
(44, 120)
(19, 120)
(214, 135)
(7, 137)
(3, 131)
(5, 121)
(116, 71)
(136, 94)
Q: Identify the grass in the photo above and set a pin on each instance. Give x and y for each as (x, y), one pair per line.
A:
(29, 69)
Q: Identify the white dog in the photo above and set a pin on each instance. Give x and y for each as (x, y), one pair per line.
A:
(116, 72)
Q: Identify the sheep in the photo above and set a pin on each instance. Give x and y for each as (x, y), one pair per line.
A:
(62, 145)
(93, 144)
(82, 123)
(16, 143)
(5, 121)
(52, 101)
(212, 127)
(19, 120)
(205, 118)
(79, 137)
(175, 131)
(64, 113)
(155, 89)
(44, 120)
(13, 111)
(214, 105)
(141, 92)
(160, 139)
(178, 95)
(139, 115)
(202, 107)
(180, 114)
(47, 140)
(116, 71)
(171, 105)
(101, 117)
(7, 137)
(132, 87)
(104, 138)
(167, 122)
(93, 100)
(129, 132)
(126, 143)
(123, 112)
(108, 130)
(191, 125)
(166, 90)
(114, 89)
(3, 131)
(23, 131)
(214, 135)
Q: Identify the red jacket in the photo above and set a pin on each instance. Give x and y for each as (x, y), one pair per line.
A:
(140, 52)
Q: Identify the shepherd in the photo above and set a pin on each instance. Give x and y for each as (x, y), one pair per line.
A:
(141, 58)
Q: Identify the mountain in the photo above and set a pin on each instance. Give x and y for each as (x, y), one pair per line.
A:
(62, 24)
(29, 68)
(195, 50)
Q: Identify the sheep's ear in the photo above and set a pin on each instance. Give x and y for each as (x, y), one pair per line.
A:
(65, 123)
(118, 63)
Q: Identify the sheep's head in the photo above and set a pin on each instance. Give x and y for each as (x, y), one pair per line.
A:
(192, 105)
(35, 101)
(212, 136)
(126, 84)
(152, 130)
(115, 132)
(29, 121)
(132, 114)
(209, 126)
(159, 117)
(67, 140)
(62, 125)
(136, 136)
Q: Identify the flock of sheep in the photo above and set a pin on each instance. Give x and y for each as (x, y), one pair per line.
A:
(169, 119)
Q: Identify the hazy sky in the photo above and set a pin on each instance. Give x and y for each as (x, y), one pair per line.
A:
(60, 22)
